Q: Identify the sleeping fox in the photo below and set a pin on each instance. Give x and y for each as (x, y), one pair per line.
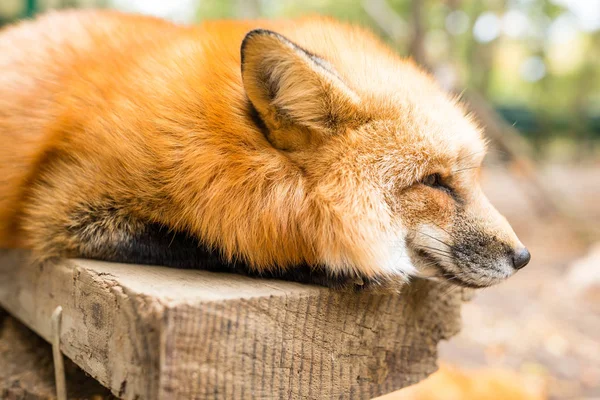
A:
(299, 149)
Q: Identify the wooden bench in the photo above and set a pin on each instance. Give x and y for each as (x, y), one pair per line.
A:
(158, 333)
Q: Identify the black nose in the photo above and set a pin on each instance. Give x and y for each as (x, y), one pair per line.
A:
(521, 258)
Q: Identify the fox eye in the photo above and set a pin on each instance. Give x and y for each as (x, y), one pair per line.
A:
(433, 180)
(436, 181)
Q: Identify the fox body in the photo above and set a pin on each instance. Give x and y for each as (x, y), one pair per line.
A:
(302, 149)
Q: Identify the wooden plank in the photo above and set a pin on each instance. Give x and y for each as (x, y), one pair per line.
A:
(157, 333)
(26, 371)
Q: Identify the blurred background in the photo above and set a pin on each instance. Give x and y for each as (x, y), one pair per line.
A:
(530, 71)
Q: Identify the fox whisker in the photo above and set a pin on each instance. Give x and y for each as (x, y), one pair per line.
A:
(434, 238)
(464, 169)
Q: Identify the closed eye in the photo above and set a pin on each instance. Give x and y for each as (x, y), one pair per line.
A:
(437, 182)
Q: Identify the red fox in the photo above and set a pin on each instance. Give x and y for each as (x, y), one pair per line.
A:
(298, 149)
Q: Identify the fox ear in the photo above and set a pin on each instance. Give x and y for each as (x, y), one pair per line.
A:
(287, 84)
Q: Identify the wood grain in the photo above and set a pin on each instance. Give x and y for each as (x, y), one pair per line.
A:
(157, 333)
(26, 371)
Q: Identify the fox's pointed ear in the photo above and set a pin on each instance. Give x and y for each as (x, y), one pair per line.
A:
(288, 85)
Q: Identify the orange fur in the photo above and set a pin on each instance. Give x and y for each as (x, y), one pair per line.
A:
(97, 104)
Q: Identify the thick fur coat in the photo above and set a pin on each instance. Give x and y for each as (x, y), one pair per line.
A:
(286, 147)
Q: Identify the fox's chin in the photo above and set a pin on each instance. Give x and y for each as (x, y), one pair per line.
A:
(457, 280)
(429, 267)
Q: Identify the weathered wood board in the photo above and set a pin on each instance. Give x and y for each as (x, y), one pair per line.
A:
(158, 333)
(26, 370)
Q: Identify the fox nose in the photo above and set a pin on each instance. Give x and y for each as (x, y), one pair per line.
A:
(521, 258)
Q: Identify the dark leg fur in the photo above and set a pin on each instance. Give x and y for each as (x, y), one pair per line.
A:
(108, 234)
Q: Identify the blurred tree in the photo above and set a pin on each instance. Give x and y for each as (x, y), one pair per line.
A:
(30, 8)
(418, 24)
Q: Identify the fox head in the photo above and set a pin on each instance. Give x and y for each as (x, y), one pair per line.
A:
(391, 162)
